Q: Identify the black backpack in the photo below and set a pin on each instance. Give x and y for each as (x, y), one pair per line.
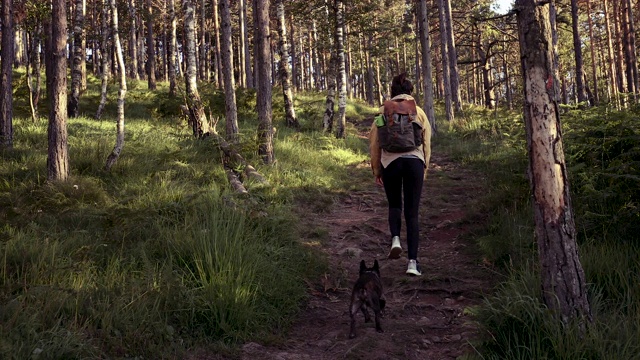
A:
(397, 129)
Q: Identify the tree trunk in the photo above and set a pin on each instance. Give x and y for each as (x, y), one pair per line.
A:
(563, 279)
(117, 149)
(577, 47)
(34, 69)
(78, 58)
(594, 66)
(218, 50)
(244, 46)
(611, 58)
(133, 42)
(294, 57)
(104, 55)
(427, 71)
(629, 47)
(329, 112)
(171, 48)
(342, 75)
(453, 60)
(226, 52)
(263, 71)
(285, 71)
(151, 56)
(6, 87)
(197, 117)
(56, 70)
(446, 69)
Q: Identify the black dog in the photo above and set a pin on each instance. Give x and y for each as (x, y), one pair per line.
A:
(367, 292)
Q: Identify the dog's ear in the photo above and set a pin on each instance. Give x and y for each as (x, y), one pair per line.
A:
(363, 266)
(376, 267)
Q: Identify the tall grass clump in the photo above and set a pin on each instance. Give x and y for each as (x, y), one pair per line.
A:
(601, 151)
(159, 256)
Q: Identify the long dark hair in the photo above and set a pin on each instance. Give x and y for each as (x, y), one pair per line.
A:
(401, 85)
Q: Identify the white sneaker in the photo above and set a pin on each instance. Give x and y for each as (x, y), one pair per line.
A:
(413, 268)
(396, 249)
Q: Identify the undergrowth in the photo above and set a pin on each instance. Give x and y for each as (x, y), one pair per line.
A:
(158, 256)
(601, 147)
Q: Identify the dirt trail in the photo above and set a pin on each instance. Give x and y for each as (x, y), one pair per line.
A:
(425, 316)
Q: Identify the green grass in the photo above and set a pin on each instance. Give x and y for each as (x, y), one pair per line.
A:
(602, 157)
(159, 256)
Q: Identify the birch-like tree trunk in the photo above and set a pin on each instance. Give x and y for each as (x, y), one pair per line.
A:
(171, 48)
(56, 71)
(263, 72)
(133, 42)
(34, 69)
(151, 53)
(104, 56)
(6, 87)
(446, 68)
(342, 74)
(284, 69)
(216, 33)
(563, 280)
(197, 117)
(427, 71)
(78, 58)
(122, 91)
(226, 53)
(329, 112)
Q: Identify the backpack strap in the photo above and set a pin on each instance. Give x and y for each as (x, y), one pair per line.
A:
(400, 106)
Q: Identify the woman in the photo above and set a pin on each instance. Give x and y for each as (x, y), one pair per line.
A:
(402, 174)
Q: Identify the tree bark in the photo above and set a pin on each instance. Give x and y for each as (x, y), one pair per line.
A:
(56, 71)
(171, 48)
(342, 75)
(133, 42)
(117, 149)
(263, 71)
(197, 117)
(244, 41)
(594, 66)
(446, 68)
(285, 71)
(453, 60)
(611, 58)
(151, 54)
(563, 279)
(329, 112)
(104, 55)
(6, 87)
(218, 51)
(427, 72)
(78, 58)
(226, 52)
(577, 47)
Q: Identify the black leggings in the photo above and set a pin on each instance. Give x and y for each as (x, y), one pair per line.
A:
(404, 175)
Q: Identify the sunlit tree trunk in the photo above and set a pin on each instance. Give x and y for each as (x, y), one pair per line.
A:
(171, 48)
(342, 76)
(104, 56)
(122, 91)
(329, 112)
(197, 117)
(151, 54)
(611, 58)
(563, 280)
(577, 47)
(56, 71)
(6, 94)
(78, 58)
(621, 80)
(629, 47)
(216, 33)
(446, 69)
(263, 72)
(453, 59)
(245, 64)
(594, 66)
(425, 43)
(285, 71)
(226, 52)
(133, 42)
(293, 53)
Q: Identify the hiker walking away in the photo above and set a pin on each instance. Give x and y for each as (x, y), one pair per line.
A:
(400, 147)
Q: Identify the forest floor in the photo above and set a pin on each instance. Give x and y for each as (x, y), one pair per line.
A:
(425, 316)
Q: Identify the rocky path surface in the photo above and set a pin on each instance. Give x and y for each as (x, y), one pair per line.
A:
(425, 316)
